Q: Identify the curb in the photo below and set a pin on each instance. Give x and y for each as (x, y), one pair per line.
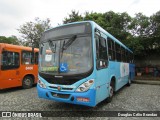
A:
(149, 82)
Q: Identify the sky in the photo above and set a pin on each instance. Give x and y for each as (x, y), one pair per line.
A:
(14, 13)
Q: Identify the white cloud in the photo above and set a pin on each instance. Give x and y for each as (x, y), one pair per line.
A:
(16, 12)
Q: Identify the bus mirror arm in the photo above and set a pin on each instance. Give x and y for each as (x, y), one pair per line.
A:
(41, 49)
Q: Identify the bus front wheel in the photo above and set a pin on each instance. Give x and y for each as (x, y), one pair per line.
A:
(111, 92)
(27, 82)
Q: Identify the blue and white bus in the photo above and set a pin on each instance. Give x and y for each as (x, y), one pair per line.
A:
(81, 63)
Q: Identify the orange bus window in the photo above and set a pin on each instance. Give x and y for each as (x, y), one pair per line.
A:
(27, 57)
(10, 60)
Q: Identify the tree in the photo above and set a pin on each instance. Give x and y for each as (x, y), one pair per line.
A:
(73, 17)
(117, 24)
(139, 33)
(99, 18)
(145, 31)
(32, 31)
(155, 28)
(10, 40)
(140, 25)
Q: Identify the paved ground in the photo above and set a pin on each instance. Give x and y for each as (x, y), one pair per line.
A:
(137, 97)
(149, 82)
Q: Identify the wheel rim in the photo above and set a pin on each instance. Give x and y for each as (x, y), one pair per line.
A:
(27, 82)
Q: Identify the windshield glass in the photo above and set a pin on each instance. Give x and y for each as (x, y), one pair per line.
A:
(71, 55)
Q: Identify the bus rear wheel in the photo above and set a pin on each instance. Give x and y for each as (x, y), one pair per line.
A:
(129, 82)
(27, 82)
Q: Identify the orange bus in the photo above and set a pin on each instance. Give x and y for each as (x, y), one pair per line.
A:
(18, 66)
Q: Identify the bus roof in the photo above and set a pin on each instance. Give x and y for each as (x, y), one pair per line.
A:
(95, 25)
(5, 45)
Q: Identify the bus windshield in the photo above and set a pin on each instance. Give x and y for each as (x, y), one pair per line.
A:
(72, 55)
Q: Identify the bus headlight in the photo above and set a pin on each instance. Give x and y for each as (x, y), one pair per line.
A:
(41, 84)
(85, 86)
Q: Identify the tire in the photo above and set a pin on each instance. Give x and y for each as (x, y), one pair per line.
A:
(129, 82)
(111, 93)
(27, 82)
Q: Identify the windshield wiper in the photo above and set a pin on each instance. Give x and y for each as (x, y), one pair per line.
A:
(52, 46)
(69, 42)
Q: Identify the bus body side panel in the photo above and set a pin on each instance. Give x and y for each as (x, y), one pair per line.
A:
(30, 69)
(121, 74)
(102, 85)
(11, 77)
(132, 71)
(118, 70)
(102, 78)
(0, 60)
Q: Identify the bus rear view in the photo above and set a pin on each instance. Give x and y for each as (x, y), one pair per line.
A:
(74, 66)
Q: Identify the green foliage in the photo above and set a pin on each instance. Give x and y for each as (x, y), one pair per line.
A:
(140, 25)
(140, 33)
(10, 40)
(73, 17)
(155, 30)
(99, 18)
(32, 31)
(117, 24)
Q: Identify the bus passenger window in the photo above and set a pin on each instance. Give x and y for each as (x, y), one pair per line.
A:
(118, 52)
(26, 57)
(101, 52)
(111, 49)
(10, 60)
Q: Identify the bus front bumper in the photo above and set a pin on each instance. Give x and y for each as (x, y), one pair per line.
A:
(81, 98)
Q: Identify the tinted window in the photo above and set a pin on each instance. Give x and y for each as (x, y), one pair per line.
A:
(27, 57)
(111, 49)
(10, 60)
(101, 52)
(118, 52)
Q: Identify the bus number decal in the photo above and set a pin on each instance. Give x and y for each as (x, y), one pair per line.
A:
(29, 68)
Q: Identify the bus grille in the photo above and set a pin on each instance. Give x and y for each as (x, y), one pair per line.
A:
(62, 88)
(58, 95)
(61, 81)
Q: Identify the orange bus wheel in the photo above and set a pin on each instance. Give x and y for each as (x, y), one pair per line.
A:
(27, 82)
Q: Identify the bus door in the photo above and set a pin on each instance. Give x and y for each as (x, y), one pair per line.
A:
(10, 63)
(101, 65)
(27, 63)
